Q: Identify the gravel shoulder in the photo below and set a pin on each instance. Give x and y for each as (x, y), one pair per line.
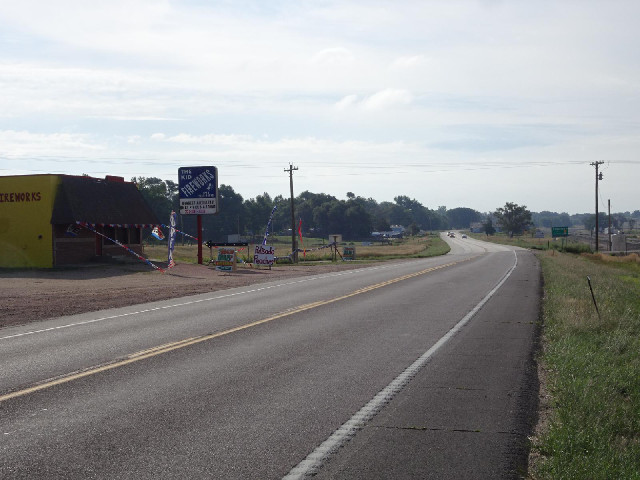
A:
(34, 295)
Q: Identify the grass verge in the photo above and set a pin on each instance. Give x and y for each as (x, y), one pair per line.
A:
(568, 245)
(592, 368)
(411, 247)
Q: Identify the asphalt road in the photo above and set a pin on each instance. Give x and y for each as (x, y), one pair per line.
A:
(419, 369)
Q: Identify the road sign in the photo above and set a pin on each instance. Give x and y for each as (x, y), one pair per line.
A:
(198, 190)
(559, 231)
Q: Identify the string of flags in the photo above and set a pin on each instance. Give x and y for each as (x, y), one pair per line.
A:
(122, 225)
(177, 231)
(329, 245)
(92, 228)
(74, 229)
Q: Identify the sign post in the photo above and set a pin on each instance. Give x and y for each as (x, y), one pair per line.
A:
(198, 192)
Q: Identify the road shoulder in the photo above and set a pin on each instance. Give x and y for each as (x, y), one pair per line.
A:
(469, 412)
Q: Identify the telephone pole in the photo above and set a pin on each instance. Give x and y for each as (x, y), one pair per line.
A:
(294, 246)
(609, 230)
(598, 177)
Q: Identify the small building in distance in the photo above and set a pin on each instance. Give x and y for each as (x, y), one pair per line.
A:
(42, 218)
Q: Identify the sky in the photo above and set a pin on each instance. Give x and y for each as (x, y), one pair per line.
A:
(460, 103)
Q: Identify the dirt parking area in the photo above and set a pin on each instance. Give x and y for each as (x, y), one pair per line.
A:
(33, 295)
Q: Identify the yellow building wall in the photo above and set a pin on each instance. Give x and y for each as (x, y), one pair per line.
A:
(26, 203)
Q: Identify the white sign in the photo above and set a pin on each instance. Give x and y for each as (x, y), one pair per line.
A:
(264, 255)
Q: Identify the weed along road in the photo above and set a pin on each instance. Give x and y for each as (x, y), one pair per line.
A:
(413, 369)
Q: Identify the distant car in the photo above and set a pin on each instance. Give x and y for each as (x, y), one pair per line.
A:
(453, 235)
(464, 236)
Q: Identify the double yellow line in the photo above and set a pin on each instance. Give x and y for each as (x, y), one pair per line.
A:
(169, 347)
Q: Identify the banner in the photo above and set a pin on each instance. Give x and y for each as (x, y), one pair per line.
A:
(266, 233)
(172, 239)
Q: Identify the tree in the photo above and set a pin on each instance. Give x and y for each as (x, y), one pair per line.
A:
(462, 217)
(513, 218)
(414, 229)
(590, 221)
(257, 211)
(161, 195)
(551, 219)
(488, 227)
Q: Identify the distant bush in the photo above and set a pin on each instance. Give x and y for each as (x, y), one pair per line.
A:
(577, 248)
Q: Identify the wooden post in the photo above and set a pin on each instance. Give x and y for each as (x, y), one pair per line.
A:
(199, 239)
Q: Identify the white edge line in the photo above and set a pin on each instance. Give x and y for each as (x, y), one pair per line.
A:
(191, 302)
(310, 465)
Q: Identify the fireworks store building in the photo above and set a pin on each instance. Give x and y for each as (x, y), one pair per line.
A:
(54, 220)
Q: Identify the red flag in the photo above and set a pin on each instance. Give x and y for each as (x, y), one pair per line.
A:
(304, 252)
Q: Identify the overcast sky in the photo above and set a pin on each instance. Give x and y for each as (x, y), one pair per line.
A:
(457, 103)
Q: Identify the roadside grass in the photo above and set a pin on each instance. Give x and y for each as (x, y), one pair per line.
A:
(592, 368)
(526, 241)
(412, 247)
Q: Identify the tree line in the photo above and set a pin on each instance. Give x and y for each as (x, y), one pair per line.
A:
(354, 218)
(320, 214)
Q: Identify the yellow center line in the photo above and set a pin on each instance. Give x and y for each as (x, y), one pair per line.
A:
(169, 347)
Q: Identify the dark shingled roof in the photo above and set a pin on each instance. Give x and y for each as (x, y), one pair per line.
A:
(95, 200)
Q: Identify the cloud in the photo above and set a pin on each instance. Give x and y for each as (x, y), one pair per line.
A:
(22, 142)
(210, 139)
(409, 62)
(382, 100)
(333, 57)
(346, 102)
(388, 98)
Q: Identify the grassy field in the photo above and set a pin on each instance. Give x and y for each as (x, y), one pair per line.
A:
(526, 241)
(412, 247)
(593, 368)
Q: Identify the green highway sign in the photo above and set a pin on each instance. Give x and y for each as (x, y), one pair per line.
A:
(559, 231)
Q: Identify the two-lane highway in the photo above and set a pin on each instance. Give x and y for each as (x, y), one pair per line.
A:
(255, 382)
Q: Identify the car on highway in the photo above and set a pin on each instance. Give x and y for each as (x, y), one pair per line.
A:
(464, 236)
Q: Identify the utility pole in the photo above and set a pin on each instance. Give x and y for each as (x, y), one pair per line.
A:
(598, 177)
(294, 246)
(609, 230)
